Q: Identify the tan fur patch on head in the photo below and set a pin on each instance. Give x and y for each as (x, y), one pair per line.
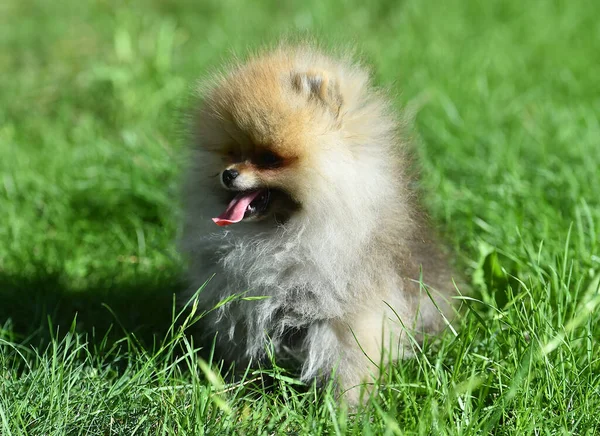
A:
(273, 102)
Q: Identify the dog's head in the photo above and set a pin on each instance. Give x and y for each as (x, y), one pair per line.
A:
(283, 138)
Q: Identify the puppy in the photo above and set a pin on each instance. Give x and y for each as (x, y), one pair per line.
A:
(297, 200)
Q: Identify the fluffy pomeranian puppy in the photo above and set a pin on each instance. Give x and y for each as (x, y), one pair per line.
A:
(297, 198)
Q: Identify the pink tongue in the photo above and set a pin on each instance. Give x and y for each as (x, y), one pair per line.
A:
(236, 209)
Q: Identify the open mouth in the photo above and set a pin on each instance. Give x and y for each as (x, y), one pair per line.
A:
(245, 205)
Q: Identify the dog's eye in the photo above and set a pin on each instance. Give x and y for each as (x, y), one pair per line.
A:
(268, 159)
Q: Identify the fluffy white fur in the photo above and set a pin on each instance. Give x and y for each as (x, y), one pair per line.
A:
(341, 275)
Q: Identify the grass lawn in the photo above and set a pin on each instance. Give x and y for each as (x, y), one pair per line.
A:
(504, 104)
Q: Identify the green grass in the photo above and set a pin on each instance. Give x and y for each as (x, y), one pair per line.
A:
(505, 100)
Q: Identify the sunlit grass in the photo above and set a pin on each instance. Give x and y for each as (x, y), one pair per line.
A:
(502, 102)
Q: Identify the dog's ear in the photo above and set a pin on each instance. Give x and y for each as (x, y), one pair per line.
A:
(321, 86)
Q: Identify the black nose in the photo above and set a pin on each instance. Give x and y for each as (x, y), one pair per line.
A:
(228, 176)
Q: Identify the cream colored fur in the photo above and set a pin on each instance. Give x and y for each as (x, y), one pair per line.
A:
(353, 249)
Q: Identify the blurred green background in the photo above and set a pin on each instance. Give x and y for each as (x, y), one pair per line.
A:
(502, 99)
